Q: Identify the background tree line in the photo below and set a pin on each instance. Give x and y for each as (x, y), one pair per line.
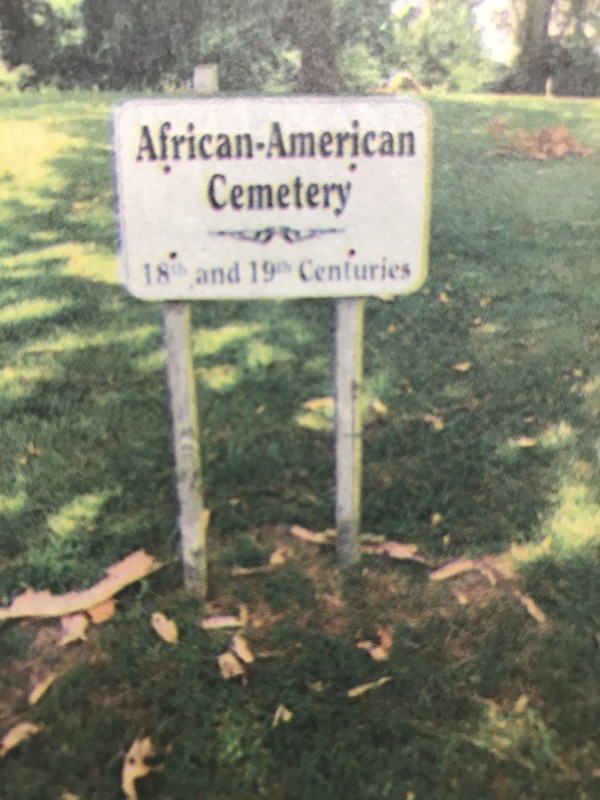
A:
(154, 44)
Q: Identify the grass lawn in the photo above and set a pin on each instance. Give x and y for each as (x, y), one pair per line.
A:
(484, 702)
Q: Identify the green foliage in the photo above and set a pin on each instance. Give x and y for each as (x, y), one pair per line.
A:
(440, 46)
(359, 70)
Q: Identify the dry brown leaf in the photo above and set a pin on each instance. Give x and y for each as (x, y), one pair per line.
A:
(73, 629)
(524, 441)
(521, 704)
(308, 536)
(102, 612)
(40, 689)
(464, 366)
(17, 734)
(596, 772)
(134, 766)
(386, 639)
(436, 422)
(357, 691)
(226, 620)
(69, 796)
(379, 407)
(238, 572)
(443, 297)
(164, 627)
(230, 667)
(376, 651)
(279, 556)
(453, 568)
(532, 607)
(282, 714)
(42, 604)
(239, 646)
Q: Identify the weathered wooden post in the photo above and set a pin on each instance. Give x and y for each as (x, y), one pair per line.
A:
(319, 75)
(177, 332)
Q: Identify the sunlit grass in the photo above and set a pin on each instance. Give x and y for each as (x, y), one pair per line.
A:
(79, 513)
(37, 308)
(209, 341)
(21, 381)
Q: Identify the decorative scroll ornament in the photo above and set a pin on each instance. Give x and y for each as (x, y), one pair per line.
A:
(289, 235)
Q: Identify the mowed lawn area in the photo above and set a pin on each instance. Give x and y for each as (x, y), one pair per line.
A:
(481, 441)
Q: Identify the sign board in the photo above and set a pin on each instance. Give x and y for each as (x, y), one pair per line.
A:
(272, 196)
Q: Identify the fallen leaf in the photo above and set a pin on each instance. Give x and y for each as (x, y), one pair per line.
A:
(319, 404)
(45, 605)
(452, 569)
(40, 689)
(317, 686)
(308, 536)
(69, 796)
(532, 607)
(73, 629)
(524, 441)
(484, 302)
(596, 772)
(386, 298)
(164, 627)
(521, 704)
(477, 321)
(464, 366)
(436, 422)
(462, 599)
(134, 766)
(17, 734)
(239, 646)
(238, 572)
(279, 556)
(282, 714)
(443, 297)
(260, 410)
(391, 328)
(385, 638)
(230, 667)
(32, 450)
(451, 257)
(436, 518)
(357, 691)
(226, 620)
(102, 612)
(379, 408)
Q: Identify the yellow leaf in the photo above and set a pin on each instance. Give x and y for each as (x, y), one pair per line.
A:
(41, 688)
(379, 408)
(279, 556)
(452, 569)
(102, 612)
(134, 766)
(443, 297)
(436, 422)
(357, 691)
(477, 321)
(521, 704)
(462, 598)
(260, 410)
(73, 629)
(164, 627)
(525, 441)
(319, 404)
(532, 607)
(464, 366)
(17, 734)
(385, 638)
(239, 646)
(391, 328)
(282, 714)
(69, 796)
(230, 667)
(436, 518)
(387, 298)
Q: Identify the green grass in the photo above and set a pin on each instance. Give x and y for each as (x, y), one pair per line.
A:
(86, 477)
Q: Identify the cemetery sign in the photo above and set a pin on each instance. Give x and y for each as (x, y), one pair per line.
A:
(272, 196)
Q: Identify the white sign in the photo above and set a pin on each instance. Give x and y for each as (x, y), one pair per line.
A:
(272, 196)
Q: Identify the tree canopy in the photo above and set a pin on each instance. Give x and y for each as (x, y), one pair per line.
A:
(154, 44)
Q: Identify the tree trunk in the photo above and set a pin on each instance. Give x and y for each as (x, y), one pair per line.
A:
(316, 34)
(534, 44)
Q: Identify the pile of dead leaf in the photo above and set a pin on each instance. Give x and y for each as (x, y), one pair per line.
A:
(556, 141)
